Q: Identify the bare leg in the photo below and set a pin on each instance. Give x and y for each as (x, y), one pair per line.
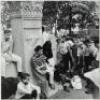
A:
(18, 60)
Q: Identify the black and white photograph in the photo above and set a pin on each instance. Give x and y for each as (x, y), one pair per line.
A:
(50, 49)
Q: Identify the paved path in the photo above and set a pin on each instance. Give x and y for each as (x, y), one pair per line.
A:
(73, 94)
(59, 93)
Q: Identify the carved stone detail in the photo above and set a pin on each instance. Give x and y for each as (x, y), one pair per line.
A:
(31, 9)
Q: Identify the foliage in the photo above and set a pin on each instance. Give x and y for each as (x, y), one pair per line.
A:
(8, 7)
(59, 12)
(63, 11)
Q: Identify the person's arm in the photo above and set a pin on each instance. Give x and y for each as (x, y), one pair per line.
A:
(95, 53)
(41, 69)
(34, 87)
(23, 89)
(37, 88)
(11, 44)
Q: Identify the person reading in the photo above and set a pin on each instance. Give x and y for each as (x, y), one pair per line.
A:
(27, 90)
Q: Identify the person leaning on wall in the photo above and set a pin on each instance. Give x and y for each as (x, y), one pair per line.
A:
(9, 56)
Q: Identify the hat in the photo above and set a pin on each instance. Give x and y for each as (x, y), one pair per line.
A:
(88, 41)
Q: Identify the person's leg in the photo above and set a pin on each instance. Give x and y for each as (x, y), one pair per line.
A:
(27, 96)
(66, 63)
(57, 72)
(86, 61)
(33, 95)
(18, 60)
(50, 78)
(50, 74)
(36, 92)
(44, 90)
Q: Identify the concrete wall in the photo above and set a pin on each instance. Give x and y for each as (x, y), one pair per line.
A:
(27, 34)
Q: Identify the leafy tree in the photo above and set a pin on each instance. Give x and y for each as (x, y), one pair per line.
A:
(9, 7)
(62, 12)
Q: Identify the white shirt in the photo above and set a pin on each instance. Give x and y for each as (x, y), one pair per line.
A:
(81, 50)
(65, 46)
(23, 89)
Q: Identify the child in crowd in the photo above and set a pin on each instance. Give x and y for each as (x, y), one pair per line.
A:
(26, 90)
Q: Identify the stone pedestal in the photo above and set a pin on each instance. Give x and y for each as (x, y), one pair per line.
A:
(27, 31)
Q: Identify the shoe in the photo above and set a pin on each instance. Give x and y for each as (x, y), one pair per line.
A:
(71, 86)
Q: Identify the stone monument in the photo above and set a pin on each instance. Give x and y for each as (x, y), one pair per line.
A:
(27, 30)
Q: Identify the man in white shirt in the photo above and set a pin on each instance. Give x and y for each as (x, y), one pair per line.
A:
(26, 90)
(7, 46)
(65, 51)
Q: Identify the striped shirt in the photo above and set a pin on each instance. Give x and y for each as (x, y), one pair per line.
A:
(38, 60)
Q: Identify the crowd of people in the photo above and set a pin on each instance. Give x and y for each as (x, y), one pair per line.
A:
(75, 56)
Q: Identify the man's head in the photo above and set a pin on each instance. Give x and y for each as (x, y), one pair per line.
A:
(25, 77)
(7, 34)
(39, 50)
(89, 42)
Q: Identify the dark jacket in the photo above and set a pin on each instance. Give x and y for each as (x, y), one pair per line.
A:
(47, 49)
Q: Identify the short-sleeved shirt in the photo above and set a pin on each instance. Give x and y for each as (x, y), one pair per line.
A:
(64, 47)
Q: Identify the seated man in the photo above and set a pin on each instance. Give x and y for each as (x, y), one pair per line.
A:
(7, 46)
(26, 90)
(39, 62)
